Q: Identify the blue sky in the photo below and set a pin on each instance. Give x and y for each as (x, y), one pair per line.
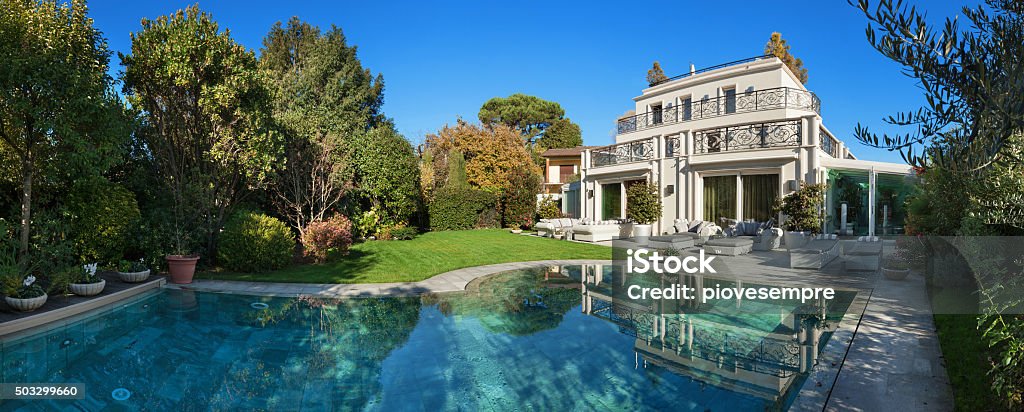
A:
(442, 60)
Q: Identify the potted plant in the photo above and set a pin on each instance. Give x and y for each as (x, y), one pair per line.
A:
(643, 206)
(87, 282)
(25, 295)
(132, 271)
(802, 211)
(896, 266)
(181, 264)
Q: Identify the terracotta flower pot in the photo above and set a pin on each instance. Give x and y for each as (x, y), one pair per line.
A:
(133, 277)
(26, 305)
(182, 268)
(88, 289)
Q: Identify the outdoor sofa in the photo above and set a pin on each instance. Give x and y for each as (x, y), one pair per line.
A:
(764, 235)
(817, 253)
(686, 234)
(554, 227)
(597, 231)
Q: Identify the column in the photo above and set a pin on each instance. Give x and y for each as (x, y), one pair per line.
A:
(813, 134)
(871, 202)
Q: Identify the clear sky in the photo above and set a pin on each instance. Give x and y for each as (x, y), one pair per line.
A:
(441, 60)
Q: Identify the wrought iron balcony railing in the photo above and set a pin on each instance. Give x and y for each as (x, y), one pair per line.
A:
(628, 152)
(752, 101)
(828, 144)
(752, 136)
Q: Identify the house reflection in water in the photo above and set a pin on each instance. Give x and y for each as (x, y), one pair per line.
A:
(760, 352)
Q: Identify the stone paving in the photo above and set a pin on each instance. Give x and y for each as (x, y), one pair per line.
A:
(452, 281)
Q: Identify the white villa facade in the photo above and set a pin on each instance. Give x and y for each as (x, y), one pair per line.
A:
(724, 143)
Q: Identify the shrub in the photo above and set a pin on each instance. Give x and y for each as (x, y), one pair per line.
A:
(643, 203)
(803, 208)
(402, 233)
(322, 238)
(519, 200)
(254, 242)
(549, 208)
(461, 208)
(103, 218)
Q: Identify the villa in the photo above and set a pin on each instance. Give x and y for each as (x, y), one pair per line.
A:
(725, 142)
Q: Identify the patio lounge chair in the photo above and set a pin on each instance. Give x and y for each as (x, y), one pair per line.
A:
(819, 252)
(863, 255)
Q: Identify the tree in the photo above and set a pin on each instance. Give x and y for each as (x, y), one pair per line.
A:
(58, 111)
(518, 203)
(530, 115)
(656, 75)
(778, 47)
(386, 174)
(972, 82)
(561, 134)
(207, 119)
(322, 98)
(491, 154)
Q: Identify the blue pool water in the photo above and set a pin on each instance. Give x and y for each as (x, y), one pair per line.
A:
(526, 340)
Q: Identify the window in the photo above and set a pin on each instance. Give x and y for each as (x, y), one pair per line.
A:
(611, 201)
(730, 100)
(687, 109)
(759, 193)
(656, 114)
(565, 173)
(719, 198)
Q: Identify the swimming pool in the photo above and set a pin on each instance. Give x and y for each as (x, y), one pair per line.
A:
(539, 339)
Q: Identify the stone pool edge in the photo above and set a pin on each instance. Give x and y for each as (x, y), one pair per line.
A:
(10, 328)
(451, 281)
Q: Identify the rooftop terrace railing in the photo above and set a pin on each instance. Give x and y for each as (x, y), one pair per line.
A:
(715, 67)
(751, 101)
(828, 143)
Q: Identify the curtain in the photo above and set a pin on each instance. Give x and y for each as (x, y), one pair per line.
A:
(719, 198)
(759, 192)
(611, 201)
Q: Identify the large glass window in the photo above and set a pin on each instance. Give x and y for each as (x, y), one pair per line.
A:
(759, 194)
(656, 114)
(848, 191)
(611, 201)
(687, 109)
(890, 198)
(719, 198)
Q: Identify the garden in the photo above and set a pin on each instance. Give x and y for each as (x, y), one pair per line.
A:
(272, 165)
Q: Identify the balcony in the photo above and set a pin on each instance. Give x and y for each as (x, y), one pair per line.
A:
(828, 143)
(628, 152)
(758, 100)
(747, 137)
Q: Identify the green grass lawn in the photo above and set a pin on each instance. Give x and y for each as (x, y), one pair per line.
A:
(967, 365)
(429, 254)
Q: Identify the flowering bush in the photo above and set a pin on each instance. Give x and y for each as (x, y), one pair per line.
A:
(16, 287)
(87, 274)
(324, 237)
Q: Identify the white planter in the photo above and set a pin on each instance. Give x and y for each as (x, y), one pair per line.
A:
(641, 233)
(88, 289)
(26, 305)
(796, 240)
(895, 274)
(133, 277)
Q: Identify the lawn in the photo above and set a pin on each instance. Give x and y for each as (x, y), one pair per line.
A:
(967, 365)
(429, 254)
